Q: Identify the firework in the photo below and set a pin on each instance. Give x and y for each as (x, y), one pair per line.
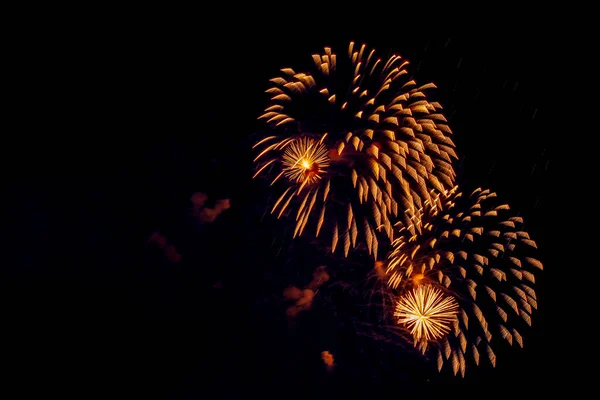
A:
(355, 145)
(427, 312)
(305, 161)
(469, 250)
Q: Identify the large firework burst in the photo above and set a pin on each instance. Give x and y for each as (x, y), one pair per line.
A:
(358, 145)
(470, 250)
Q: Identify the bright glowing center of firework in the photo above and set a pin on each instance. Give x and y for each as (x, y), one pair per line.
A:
(427, 312)
(305, 160)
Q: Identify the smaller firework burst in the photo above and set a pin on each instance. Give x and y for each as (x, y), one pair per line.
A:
(473, 250)
(305, 161)
(427, 312)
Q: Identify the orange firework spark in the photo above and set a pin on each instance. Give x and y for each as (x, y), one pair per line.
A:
(359, 143)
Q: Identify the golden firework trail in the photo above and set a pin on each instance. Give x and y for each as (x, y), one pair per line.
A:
(475, 251)
(372, 143)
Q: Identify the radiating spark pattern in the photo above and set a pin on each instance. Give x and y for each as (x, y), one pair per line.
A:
(387, 145)
(472, 249)
(305, 161)
(427, 312)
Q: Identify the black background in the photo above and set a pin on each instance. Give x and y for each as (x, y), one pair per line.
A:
(132, 124)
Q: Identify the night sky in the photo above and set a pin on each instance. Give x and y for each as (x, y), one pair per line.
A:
(144, 121)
